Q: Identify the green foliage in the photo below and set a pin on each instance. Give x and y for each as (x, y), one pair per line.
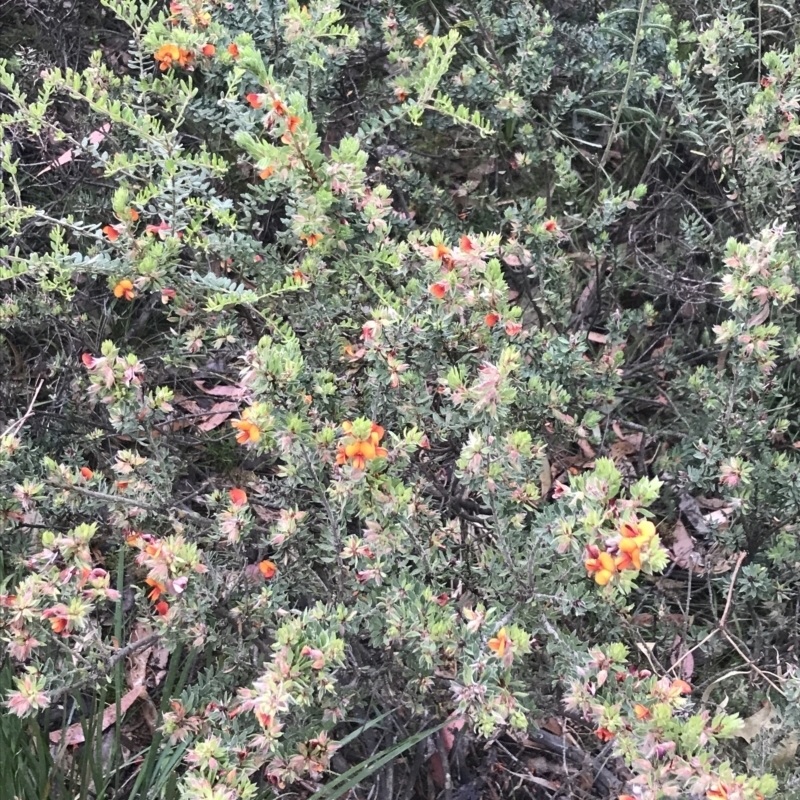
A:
(370, 358)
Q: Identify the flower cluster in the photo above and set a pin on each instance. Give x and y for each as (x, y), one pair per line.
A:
(625, 551)
(360, 444)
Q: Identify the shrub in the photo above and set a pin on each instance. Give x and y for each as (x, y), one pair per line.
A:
(374, 361)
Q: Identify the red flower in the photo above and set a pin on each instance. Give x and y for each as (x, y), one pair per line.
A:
(112, 232)
(550, 225)
(438, 290)
(267, 569)
(89, 360)
(233, 49)
(208, 50)
(162, 608)
(278, 107)
(86, 473)
(465, 244)
(491, 319)
(238, 497)
(604, 734)
(255, 100)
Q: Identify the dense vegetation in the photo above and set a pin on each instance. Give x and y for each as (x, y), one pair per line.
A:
(399, 399)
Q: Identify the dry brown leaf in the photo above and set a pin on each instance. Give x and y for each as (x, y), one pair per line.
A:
(760, 317)
(754, 724)
(74, 734)
(586, 448)
(659, 351)
(217, 414)
(785, 752)
(221, 390)
(682, 547)
(136, 664)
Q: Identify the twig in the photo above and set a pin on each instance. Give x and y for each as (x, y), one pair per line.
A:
(130, 501)
(107, 665)
(443, 757)
(14, 427)
(722, 620)
(623, 99)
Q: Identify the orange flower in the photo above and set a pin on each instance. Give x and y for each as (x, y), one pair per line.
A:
(278, 107)
(500, 643)
(233, 49)
(293, 123)
(465, 244)
(602, 566)
(249, 432)
(169, 54)
(86, 473)
(360, 450)
(208, 50)
(266, 172)
(255, 100)
(681, 686)
(551, 225)
(124, 289)
(717, 792)
(491, 319)
(626, 797)
(604, 734)
(311, 239)
(162, 608)
(134, 214)
(642, 712)
(157, 589)
(112, 232)
(635, 534)
(640, 530)
(421, 41)
(166, 55)
(59, 618)
(267, 569)
(438, 290)
(238, 496)
(440, 251)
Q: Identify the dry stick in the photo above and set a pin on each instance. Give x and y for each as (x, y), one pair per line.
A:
(723, 619)
(129, 501)
(14, 427)
(108, 664)
(445, 759)
(624, 98)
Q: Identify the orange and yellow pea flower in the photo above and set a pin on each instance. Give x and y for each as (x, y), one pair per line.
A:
(635, 535)
(169, 54)
(249, 432)
(357, 451)
(601, 565)
(500, 643)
